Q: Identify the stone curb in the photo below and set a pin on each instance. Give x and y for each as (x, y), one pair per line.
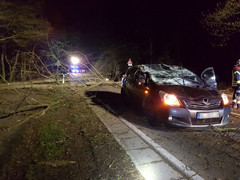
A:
(149, 158)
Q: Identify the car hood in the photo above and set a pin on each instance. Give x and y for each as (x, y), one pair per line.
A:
(189, 92)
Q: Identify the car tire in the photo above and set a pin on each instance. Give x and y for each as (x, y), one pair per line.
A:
(149, 112)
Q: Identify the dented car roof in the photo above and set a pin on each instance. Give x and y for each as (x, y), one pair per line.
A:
(171, 74)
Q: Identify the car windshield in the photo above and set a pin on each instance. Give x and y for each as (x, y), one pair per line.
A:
(172, 75)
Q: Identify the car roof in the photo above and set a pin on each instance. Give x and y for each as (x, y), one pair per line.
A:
(156, 68)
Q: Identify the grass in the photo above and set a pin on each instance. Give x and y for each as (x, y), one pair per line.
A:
(70, 124)
(51, 145)
(51, 141)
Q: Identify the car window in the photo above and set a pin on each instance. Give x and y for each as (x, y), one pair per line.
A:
(139, 74)
(208, 74)
(131, 71)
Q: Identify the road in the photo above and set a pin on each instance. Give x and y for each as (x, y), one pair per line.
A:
(212, 153)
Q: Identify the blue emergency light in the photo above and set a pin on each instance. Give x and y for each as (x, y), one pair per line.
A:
(74, 69)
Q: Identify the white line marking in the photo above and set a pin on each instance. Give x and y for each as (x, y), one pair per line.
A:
(169, 157)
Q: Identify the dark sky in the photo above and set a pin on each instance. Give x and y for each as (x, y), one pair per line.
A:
(166, 22)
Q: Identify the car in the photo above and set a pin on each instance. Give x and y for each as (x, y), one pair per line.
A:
(175, 95)
(77, 69)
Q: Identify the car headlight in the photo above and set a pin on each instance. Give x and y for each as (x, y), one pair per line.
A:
(225, 99)
(170, 99)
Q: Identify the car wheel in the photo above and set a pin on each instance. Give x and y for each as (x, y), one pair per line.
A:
(150, 113)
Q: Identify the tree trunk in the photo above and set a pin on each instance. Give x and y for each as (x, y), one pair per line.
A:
(23, 70)
(12, 73)
(3, 63)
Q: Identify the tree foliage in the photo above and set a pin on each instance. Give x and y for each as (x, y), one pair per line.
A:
(223, 22)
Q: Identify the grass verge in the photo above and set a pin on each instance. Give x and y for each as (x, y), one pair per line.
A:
(69, 142)
(51, 141)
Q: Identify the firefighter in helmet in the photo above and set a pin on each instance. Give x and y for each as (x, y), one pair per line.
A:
(236, 85)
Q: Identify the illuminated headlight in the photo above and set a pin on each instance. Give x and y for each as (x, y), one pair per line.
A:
(170, 99)
(225, 99)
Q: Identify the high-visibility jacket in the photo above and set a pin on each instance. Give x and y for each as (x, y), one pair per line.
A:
(236, 76)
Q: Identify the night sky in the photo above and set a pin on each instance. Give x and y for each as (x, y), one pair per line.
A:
(169, 25)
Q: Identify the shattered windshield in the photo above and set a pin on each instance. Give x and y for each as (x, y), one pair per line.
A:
(172, 75)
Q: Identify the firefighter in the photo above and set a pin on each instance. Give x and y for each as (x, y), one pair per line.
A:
(236, 85)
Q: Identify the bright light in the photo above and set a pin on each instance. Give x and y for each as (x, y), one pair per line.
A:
(213, 78)
(146, 92)
(148, 172)
(225, 99)
(75, 60)
(171, 100)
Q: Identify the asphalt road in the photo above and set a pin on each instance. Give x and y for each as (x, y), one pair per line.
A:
(213, 154)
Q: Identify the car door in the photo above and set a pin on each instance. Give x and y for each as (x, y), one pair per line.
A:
(139, 87)
(209, 77)
(130, 81)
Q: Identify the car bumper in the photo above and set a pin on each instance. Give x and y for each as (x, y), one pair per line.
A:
(182, 117)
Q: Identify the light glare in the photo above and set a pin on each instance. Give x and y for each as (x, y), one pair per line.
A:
(74, 60)
(171, 100)
(225, 99)
(148, 173)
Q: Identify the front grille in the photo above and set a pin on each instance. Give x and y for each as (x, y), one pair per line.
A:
(199, 103)
(206, 121)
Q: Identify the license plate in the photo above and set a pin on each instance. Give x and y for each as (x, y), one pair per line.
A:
(208, 115)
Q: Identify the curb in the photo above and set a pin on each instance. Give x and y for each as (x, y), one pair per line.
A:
(166, 155)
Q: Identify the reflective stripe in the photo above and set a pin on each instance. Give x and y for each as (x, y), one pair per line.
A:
(238, 102)
(234, 100)
(236, 76)
(236, 72)
(234, 85)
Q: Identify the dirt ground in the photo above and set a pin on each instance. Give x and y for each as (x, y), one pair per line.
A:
(86, 149)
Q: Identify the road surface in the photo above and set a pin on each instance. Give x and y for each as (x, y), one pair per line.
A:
(212, 153)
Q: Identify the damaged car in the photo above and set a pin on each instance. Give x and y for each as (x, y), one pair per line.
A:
(176, 96)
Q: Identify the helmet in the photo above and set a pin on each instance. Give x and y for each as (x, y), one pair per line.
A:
(238, 62)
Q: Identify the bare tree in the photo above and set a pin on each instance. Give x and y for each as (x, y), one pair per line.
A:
(22, 27)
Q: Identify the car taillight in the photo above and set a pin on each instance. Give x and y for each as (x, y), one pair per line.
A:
(171, 100)
(225, 99)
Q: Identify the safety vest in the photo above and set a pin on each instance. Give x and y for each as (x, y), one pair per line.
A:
(236, 76)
